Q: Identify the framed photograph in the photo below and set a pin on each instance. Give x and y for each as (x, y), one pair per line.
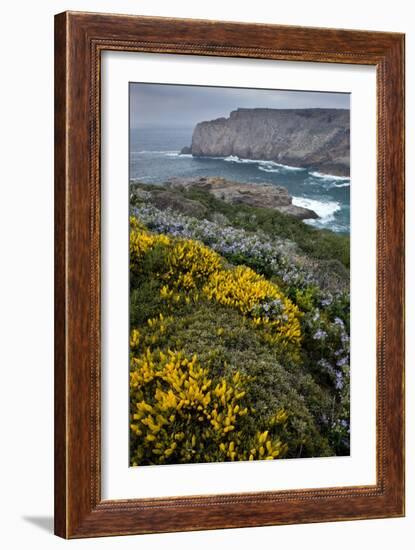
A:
(229, 275)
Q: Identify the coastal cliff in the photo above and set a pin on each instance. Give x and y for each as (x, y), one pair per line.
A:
(315, 139)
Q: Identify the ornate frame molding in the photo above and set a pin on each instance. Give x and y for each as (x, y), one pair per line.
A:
(79, 40)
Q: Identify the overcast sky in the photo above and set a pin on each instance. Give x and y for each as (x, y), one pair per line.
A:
(166, 105)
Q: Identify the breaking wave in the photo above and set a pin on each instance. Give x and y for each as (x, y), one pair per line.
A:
(325, 210)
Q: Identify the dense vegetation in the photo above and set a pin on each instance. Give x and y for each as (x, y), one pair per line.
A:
(319, 244)
(239, 333)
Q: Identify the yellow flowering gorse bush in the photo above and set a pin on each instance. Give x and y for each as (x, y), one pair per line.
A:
(179, 412)
(242, 289)
(179, 415)
(141, 242)
(191, 263)
(192, 270)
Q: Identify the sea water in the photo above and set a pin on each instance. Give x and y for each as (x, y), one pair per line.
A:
(155, 157)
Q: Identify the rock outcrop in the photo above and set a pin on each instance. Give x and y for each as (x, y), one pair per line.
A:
(262, 195)
(316, 139)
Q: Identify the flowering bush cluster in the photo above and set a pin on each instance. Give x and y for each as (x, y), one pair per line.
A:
(237, 245)
(199, 271)
(328, 348)
(238, 351)
(251, 294)
(240, 246)
(179, 414)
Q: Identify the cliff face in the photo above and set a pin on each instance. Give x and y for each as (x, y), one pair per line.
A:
(317, 139)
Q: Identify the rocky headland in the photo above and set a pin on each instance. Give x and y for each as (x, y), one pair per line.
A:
(316, 139)
(261, 195)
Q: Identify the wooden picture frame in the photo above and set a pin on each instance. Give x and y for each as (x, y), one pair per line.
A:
(79, 40)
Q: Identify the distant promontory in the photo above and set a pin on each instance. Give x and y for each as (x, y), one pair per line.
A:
(315, 139)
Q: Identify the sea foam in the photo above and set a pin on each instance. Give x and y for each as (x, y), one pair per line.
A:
(265, 165)
(329, 177)
(325, 210)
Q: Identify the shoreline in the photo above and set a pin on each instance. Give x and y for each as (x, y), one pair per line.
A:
(328, 208)
(241, 160)
(325, 211)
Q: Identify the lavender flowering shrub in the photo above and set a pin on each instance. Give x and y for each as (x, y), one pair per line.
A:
(232, 243)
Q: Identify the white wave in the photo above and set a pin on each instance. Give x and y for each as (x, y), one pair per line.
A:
(286, 167)
(233, 158)
(329, 177)
(346, 184)
(164, 153)
(144, 152)
(327, 183)
(270, 166)
(325, 210)
(178, 154)
(264, 169)
(265, 165)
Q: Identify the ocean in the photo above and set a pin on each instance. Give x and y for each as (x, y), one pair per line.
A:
(154, 158)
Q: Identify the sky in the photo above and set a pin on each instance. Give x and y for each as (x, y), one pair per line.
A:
(168, 105)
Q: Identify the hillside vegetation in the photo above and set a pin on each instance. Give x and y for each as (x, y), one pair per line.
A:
(239, 332)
